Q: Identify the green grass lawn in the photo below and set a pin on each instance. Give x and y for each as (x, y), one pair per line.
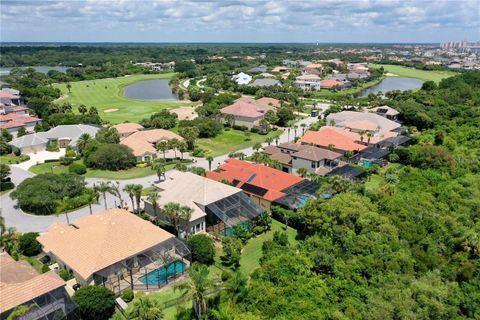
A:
(374, 182)
(9, 159)
(232, 140)
(252, 252)
(107, 94)
(402, 71)
(33, 261)
(326, 93)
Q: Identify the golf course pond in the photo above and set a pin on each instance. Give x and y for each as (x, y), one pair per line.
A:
(391, 84)
(150, 90)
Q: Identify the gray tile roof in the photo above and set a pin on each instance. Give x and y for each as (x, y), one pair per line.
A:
(265, 83)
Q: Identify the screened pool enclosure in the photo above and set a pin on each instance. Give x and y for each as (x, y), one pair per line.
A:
(148, 270)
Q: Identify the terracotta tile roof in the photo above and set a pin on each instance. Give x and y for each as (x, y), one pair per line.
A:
(143, 142)
(97, 241)
(383, 123)
(266, 101)
(8, 95)
(291, 146)
(308, 77)
(281, 157)
(245, 109)
(13, 120)
(259, 175)
(361, 125)
(340, 138)
(20, 283)
(330, 83)
(128, 127)
(315, 66)
(271, 149)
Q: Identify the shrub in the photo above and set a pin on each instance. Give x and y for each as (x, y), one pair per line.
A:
(127, 295)
(38, 194)
(77, 168)
(241, 128)
(6, 185)
(202, 248)
(232, 248)
(197, 152)
(24, 157)
(28, 244)
(111, 157)
(17, 152)
(70, 153)
(95, 302)
(45, 268)
(65, 275)
(142, 165)
(66, 161)
(254, 130)
(52, 146)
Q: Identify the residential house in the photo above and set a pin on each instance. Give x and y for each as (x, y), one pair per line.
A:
(13, 121)
(246, 113)
(266, 186)
(313, 68)
(143, 144)
(127, 128)
(280, 69)
(43, 293)
(386, 112)
(242, 78)
(330, 84)
(334, 139)
(258, 70)
(10, 96)
(308, 82)
(64, 135)
(294, 156)
(158, 66)
(116, 249)
(217, 207)
(362, 121)
(265, 82)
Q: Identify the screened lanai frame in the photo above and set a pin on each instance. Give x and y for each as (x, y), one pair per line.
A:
(53, 305)
(296, 195)
(230, 211)
(130, 272)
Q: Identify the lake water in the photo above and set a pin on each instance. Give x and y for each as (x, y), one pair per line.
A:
(42, 69)
(391, 84)
(150, 90)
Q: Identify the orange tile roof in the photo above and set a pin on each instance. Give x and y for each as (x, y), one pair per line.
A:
(273, 180)
(330, 83)
(143, 142)
(20, 283)
(128, 127)
(245, 109)
(340, 138)
(97, 241)
(266, 101)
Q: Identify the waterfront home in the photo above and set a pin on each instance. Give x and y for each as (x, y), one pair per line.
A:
(246, 112)
(127, 128)
(308, 82)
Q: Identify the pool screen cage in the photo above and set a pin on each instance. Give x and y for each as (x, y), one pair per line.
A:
(54, 305)
(296, 195)
(224, 214)
(148, 270)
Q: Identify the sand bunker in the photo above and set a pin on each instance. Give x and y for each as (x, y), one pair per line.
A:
(110, 110)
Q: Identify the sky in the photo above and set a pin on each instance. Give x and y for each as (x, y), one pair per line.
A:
(383, 21)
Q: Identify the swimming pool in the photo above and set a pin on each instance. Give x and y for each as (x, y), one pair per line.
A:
(160, 275)
(302, 200)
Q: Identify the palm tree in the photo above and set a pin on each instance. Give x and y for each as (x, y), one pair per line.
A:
(82, 141)
(288, 134)
(82, 109)
(173, 145)
(269, 140)
(159, 168)
(104, 187)
(64, 206)
(276, 141)
(302, 172)
(184, 219)
(162, 146)
(145, 308)
(182, 147)
(369, 136)
(196, 288)
(152, 197)
(210, 160)
(303, 125)
(295, 127)
(172, 210)
(115, 191)
(273, 163)
(230, 119)
(69, 87)
(130, 189)
(137, 191)
(257, 146)
(93, 196)
(361, 134)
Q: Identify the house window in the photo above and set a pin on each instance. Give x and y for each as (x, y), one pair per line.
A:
(313, 165)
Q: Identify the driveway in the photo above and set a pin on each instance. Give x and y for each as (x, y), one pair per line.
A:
(23, 222)
(39, 157)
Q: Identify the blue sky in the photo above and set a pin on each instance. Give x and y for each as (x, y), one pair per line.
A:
(239, 21)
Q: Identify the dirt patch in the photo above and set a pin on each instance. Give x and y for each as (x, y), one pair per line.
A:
(185, 113)
(110, 110)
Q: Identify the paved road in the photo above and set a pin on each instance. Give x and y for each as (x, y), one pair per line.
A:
(23, 222)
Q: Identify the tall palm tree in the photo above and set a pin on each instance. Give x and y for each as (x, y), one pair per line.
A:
(137, 191)
(196, 288)
(210, 160)
(295, 127)
(184, 219)
(172, 210)
(173, 144)
(182, 147)
(257, 146)
(303, 125)
(104, 188)
(145, 308)
(159, 168)
(152, 197)
(82, 109)
(115, 191)
(302, 172)
(64, 206)
(130, 189)
(369, 136)
(163, 147)
(269, 140)
(82, 141)
(93, 196)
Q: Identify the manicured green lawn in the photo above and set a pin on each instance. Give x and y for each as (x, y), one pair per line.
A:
(232, 140)
(402, 71)
(325, 93)
(252, 252)
(107, 94)
(9, 159)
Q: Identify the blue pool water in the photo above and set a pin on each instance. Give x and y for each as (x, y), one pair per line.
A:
(302, 200)
(160, 275)
(367, 163)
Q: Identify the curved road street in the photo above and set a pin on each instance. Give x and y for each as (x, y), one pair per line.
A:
(23, 222)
